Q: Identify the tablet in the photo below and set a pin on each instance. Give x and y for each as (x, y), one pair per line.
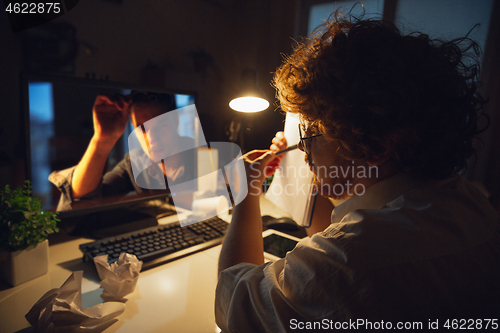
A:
(277, 244)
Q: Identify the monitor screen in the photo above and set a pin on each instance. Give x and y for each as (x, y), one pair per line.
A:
(59, 127)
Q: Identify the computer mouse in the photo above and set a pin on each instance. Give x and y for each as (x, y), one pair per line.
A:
(282, 224)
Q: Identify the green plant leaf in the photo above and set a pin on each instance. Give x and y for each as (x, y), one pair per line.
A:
(22, 220)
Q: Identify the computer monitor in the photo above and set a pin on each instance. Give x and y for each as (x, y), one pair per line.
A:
(58, 128)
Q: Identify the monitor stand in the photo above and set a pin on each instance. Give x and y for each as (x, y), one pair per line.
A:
(116, 221)
(120, 221)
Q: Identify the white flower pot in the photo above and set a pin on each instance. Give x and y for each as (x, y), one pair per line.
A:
(21, 266)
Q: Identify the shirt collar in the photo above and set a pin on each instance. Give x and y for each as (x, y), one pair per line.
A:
(376, 195)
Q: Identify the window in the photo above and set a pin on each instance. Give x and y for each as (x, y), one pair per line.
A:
(446, 19)
(320, 12)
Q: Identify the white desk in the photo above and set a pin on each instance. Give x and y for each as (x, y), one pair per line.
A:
(175, 297)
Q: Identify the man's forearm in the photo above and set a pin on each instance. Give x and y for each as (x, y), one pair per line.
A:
(88, 173)
(243, 241)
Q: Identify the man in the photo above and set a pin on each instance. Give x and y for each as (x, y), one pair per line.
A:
(85, 183)
(387, 125)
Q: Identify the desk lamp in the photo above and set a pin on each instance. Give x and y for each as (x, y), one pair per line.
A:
(250, 98)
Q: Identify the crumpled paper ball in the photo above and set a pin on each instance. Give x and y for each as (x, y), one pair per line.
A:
(60, 310)
(119, 278)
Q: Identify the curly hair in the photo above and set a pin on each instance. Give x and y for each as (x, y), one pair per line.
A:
(382, 93)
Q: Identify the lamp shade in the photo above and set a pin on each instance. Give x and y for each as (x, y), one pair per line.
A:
(250, 98)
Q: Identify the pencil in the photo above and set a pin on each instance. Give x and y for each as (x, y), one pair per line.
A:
(287, 149)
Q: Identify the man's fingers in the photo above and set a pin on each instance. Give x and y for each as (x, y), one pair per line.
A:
(279, 141)
(104, 99)
(123, 102)
(273, 164)
(268, 156)
(117, 100)
(255, 154)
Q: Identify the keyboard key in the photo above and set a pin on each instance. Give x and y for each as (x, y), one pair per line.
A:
(156, 254)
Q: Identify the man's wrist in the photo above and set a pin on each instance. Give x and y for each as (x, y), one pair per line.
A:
(102, 145)
(251, 201)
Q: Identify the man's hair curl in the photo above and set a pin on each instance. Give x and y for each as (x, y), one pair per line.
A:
(382, 93)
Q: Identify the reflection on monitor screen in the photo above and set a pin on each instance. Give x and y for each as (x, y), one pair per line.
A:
(61, 126)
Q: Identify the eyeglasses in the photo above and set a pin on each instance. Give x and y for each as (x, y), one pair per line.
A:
(305, 139)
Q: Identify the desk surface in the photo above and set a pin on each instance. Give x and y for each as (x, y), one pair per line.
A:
(175, 297)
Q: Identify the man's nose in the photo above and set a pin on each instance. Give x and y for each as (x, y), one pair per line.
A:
(154, 133)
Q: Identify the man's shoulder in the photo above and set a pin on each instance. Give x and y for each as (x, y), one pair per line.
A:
(451, 198)
(426, 222)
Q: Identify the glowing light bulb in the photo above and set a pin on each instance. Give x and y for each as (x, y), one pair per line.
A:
(249, 104)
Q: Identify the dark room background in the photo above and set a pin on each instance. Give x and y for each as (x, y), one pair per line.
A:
(203, 46)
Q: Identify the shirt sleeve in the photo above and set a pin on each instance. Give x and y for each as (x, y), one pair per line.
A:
(62, 180)
(311, 283)
(115, 182)
(249, 299)
(118, 180)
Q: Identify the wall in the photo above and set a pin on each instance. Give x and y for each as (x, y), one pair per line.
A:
(200, 45)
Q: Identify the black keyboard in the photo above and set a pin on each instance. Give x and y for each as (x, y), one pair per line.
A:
(159, 244)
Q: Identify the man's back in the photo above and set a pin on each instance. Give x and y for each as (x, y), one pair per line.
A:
(430, 252)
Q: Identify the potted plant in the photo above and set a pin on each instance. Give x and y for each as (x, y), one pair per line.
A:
(24, 228)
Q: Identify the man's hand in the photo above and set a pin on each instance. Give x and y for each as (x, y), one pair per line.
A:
(279, 142)
(243, 241)
(259, 164)
(323, 207)
(110, 116)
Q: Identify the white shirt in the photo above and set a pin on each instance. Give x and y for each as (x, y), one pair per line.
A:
(405, 250)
